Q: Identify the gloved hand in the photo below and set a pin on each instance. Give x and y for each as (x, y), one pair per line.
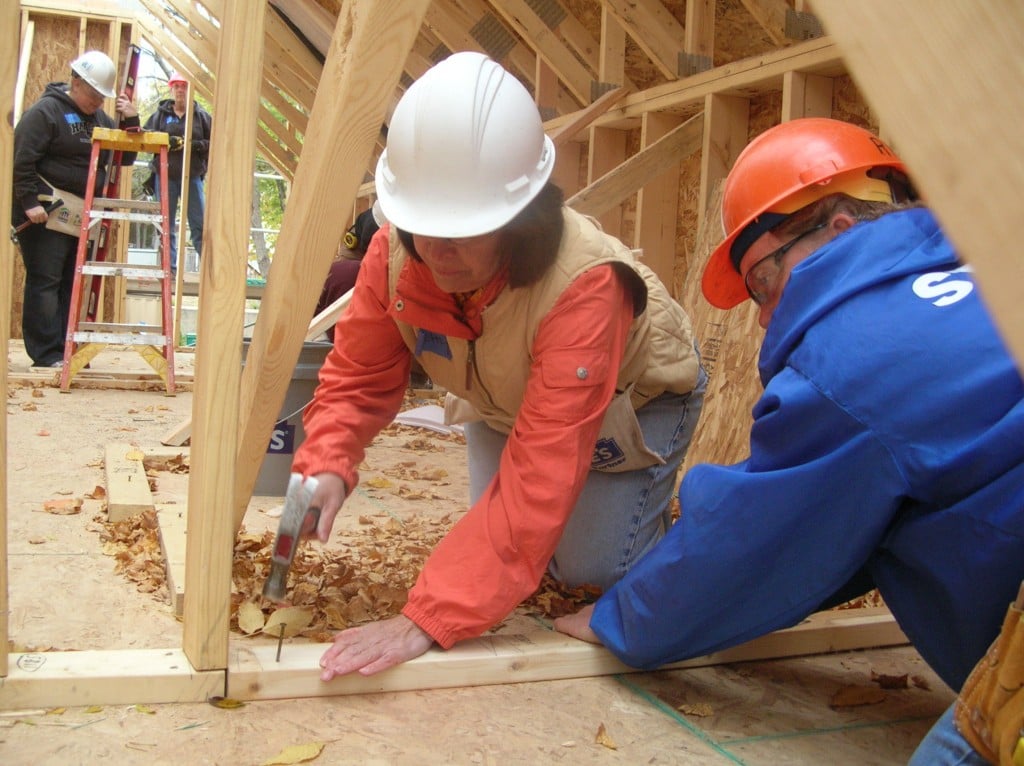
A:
(149, 185)
(175, 143)
(989, 712)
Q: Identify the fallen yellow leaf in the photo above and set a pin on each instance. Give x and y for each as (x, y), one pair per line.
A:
(296, 754)
(250, 618)
(294, 619)
(602, 738)
(225, 703)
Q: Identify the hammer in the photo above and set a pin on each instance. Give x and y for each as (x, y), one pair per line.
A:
(16, 230)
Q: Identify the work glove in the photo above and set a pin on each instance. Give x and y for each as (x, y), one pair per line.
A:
(149, 185)
(989, 712)
(175, 143)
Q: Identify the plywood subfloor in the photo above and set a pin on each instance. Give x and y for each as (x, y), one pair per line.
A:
(65, 595)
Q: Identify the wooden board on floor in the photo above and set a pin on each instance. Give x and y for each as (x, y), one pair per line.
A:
(126, 677)
(254, 673)
(173, 521)
(127, 486)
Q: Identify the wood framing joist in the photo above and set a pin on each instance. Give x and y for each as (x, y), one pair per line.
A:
(158, 675)
(54, 679)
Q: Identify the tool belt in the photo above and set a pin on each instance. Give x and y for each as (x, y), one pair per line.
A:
(989, 712)
(67, 218)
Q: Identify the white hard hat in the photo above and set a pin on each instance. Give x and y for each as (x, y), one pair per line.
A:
(96, 68)
(466, 151)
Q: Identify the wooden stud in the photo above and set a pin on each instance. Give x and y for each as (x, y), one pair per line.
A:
(128, 491)
(172, 521)
(726, 126)
(626, 177)
(363, 65)
(218, 359)
(9, 30)
(806, 95)
(657, 204)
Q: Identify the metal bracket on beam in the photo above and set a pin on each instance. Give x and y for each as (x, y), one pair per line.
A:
(802, 26)
(548, 11)
(692, 63)
(598, 89)
(494, 37)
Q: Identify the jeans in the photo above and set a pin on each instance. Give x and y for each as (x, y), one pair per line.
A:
(943, 746)
(196, 211)
(618, 517)
(49, 258)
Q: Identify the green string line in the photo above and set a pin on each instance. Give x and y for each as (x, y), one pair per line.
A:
(829, 730)
(674, 715)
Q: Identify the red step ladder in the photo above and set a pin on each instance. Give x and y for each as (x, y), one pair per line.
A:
(87, 337)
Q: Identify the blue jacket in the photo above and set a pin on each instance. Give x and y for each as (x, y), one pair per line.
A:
(890, 436)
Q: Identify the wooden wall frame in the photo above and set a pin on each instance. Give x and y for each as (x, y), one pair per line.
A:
(924, 41)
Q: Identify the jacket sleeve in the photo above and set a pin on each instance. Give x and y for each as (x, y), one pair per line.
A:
(32, 137)
(495, 555)
(362, 381)
(759, 545)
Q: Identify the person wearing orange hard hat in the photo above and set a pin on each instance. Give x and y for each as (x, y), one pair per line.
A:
(887, 449)
(170, 117)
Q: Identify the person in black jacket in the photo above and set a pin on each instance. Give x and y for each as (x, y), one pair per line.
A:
(52, 150)
(169, 118)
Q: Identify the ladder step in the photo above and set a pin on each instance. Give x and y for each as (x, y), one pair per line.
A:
(123, 270)
(126, 204)
(97, 215)
(121, 335)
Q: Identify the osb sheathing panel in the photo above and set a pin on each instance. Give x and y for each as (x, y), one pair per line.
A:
(55, 45)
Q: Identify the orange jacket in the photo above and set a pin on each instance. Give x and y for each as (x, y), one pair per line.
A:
(495, 555)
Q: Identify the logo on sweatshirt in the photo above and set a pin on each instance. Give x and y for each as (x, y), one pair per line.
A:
(939, 286)
(427, 341)
(75, 124)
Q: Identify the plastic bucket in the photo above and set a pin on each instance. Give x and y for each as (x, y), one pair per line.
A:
(288, 432)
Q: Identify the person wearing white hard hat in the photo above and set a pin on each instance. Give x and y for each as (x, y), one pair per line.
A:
(570, 366)
(169, 117)
(52, 151)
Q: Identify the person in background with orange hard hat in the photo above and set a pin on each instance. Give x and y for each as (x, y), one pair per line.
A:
(887, 449)
(52, 156)
(570, 366)
(169, 118)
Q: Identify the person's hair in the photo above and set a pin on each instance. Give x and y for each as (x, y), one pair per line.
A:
(528, 243)
(821, 211)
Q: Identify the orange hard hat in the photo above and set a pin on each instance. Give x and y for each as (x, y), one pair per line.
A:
(175, 79)
(783, 170)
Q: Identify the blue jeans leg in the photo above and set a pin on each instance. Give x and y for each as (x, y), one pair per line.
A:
(618, 516)
(196, 209)
(173, 195)
(944, 746)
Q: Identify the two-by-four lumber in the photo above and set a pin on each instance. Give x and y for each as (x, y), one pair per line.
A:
(8, 73)
(618, 184)
(218, 359)
(371, 42)
(124, 677)
(255, 673)
(118, 677)
(128, 492)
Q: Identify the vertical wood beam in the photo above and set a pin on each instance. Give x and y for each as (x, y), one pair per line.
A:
(726, 124)
(212, 486)
(698, 37)
(963, 149)
(8, 75)
(657, 205)
(806, 95)
(370, 44)
(607, 147)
